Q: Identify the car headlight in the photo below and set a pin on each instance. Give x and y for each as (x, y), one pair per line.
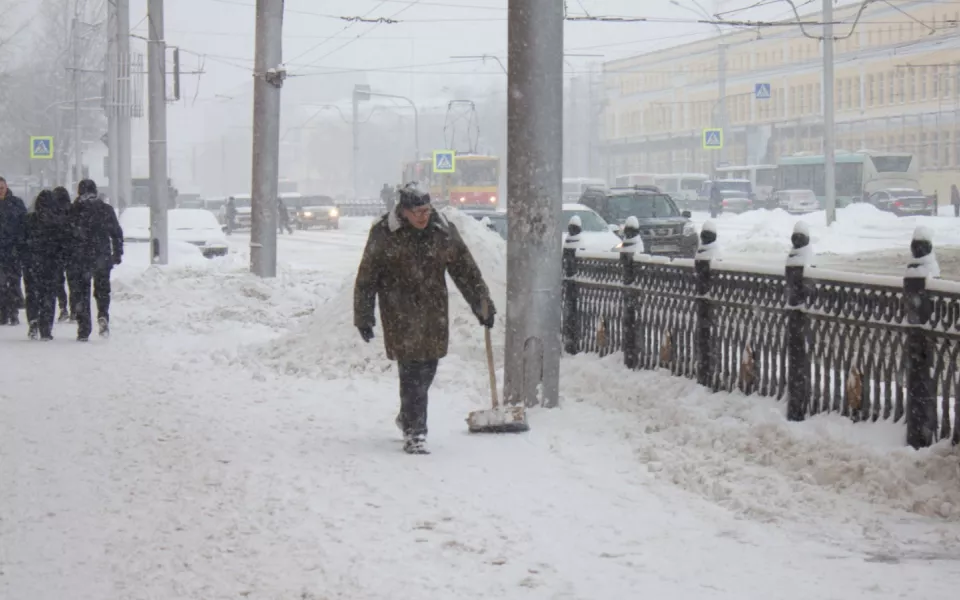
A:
(334, 212)
(493, 199)
(689, 229)
(308, 214)
(463, 199)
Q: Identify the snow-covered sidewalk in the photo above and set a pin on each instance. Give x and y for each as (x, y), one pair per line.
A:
(235, 440)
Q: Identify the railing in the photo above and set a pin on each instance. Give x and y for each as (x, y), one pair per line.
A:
(361, 207)
(868, 347)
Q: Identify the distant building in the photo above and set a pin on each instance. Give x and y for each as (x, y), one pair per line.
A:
(897, 90)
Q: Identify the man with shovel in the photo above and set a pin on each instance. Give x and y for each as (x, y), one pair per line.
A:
(409, 252)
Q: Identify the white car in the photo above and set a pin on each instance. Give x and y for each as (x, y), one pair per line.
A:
(596, 235)
(798, 201)
(194, 226)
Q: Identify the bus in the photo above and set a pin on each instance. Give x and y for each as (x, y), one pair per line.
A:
(573, 187)
(474, 184)
(763, 178)
(682, 187)
(859, 174)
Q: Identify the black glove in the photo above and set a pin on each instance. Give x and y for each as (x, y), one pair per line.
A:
(486, 319)
(366, 333)
(117, 259)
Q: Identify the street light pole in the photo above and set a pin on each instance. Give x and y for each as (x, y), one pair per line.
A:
(535, 170)
(77, 143)
(156, 80)
(416, 119)
(829, 141)
(269, 76)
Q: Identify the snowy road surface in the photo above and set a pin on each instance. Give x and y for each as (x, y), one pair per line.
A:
(235, 440)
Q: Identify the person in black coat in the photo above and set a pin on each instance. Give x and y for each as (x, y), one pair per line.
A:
(45, 244)
(97, 246)
(67, 311)
(12, 214)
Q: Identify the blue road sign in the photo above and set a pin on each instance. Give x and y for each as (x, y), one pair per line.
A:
(712, 139)
(444, 161)
(762, 91)
(41, 147)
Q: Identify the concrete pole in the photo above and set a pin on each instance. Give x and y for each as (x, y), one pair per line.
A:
(535, 170)
(110, 102)
(722, 91)
(829, 142)
(267, 82)
(156, 83)
(124, 106)
(77, 83)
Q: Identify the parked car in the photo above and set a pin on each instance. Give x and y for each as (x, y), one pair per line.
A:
(597, 235)
(664, 229)
(192, 225)
(903, 202)
(316, 211)
(797, 201)
(736, 195)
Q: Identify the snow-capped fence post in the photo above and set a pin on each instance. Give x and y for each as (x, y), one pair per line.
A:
(631, 295)
(921, 400)
(571, 295)
(703, 343)
(798, 360)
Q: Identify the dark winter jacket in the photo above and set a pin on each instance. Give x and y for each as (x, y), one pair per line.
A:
(97, 237)
(12, 214)
(47, 236)
(954, 194)
(406, 268)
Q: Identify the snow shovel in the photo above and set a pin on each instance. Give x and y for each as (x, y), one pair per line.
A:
(497, 419)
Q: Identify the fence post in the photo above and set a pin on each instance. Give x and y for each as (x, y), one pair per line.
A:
(571, 294)
(921, 401)
(631, 239)
(798, 360)
(701, 268)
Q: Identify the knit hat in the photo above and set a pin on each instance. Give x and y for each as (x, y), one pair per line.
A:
(412, 197)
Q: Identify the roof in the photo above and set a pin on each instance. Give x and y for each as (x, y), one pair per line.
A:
(577, 206)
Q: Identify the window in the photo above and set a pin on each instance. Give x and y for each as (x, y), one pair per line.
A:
(935, 82)
(891, 87)
(870, 83)
(892, 164)
(922, 77)
(911, 91)
(881, 90)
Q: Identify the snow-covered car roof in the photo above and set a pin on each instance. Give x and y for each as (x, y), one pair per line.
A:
(577, 206)
(731, 180)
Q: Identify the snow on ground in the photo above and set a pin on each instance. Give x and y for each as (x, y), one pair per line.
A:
(859, 228)
(235, 438)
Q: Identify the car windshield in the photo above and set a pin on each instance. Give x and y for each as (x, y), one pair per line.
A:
(242, 202)
(646, 206)
(308, 201)
(905, 193)
(589, 220)
(476, 172)
(733, 186)
(691, 184)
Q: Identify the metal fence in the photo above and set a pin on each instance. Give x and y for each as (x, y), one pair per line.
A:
(868, 347)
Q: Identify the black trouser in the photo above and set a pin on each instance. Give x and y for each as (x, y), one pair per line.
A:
(41, 283)
(61, 287)
(9, 287)
(80, 280)
(956, 210)
(415, 380)
(284, 225)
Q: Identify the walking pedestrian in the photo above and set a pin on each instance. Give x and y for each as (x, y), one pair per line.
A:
(408, 254)
(283, 217)
(67, 310)
(97, 247)
(388, 197)
(230, 215)
(955, 199)
(45, 244)
(12, 214)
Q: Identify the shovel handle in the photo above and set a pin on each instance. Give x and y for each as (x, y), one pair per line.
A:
(490, 368)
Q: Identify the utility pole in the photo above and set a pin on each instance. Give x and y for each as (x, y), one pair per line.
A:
(77, 141)
(829, 142)
(722, 91)
(157, 89)
(112, 105)
(268, 79)
(125, 106)
(535, 170)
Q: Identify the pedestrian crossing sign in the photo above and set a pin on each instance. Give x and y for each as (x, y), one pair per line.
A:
(444, 161)
(712, 139)
(761, 91)
(41, 147)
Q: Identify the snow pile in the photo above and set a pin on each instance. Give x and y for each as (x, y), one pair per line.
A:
(742, 453)
(328, 346)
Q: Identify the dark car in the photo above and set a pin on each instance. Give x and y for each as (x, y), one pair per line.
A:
(665, 230)
(314, 211)
(903, 202)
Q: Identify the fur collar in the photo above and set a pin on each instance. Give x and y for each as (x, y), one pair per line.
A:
(394, 223)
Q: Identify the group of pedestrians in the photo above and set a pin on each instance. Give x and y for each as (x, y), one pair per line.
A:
(60, 242)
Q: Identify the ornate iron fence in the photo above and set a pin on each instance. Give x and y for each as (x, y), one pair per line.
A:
(868, 347)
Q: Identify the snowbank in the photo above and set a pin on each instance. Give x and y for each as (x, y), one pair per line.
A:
(742, 453)
(327, 345)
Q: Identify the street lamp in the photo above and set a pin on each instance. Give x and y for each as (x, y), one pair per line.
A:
(721, 66)
(362, 92)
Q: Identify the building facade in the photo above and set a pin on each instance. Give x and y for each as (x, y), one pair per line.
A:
(897, 89)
